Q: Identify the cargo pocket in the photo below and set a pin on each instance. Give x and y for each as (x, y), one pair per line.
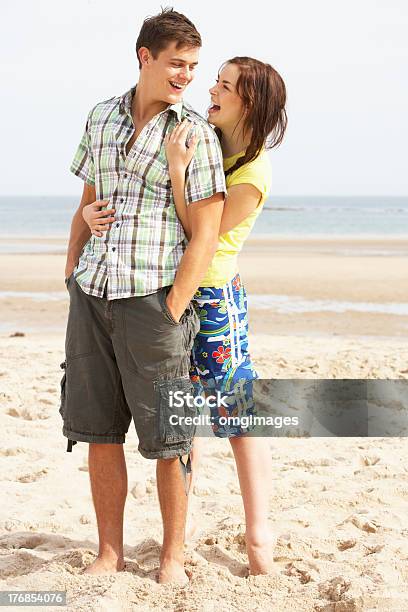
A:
(176, 411)
(63, 366)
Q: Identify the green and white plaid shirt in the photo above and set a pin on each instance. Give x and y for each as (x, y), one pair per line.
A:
(142, 250)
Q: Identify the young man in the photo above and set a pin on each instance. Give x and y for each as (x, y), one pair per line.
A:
(131, 326)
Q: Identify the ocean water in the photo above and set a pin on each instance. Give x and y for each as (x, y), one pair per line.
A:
(46, 217)
(285, 304)
(330, 216)
(282, 216)
(280, 304)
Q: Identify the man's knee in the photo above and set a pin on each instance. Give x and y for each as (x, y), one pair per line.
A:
(96, 448)
(167, 461)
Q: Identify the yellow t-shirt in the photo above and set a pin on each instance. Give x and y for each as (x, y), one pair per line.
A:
(224, 265)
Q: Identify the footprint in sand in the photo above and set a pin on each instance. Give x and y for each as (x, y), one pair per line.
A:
(33, 476)
(19, 564)
(138, 490)
(346, 544)
(372, 550)
(302, 572)
(364, 521)
(79, 558)
(15, 451)
(25, 540)
(32, 541)
(371, 526)
(23, 413)
(45, 400)
(334, 589)
(222, 551)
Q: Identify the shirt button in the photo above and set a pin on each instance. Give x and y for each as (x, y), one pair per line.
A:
(113, 248)
(117, 225)
(125, 176)
(122, 199)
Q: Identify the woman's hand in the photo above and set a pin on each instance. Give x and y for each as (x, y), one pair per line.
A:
(98, 220)
(179, 154)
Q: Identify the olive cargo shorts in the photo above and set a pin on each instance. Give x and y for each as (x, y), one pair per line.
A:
(124, 359)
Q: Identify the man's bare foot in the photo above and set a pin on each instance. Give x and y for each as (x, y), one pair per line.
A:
(103, 566)
(260, 555)
(172, 572)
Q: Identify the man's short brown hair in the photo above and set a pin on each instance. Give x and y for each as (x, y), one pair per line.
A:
(166, 27)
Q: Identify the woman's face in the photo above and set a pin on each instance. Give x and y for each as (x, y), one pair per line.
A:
(227, 107)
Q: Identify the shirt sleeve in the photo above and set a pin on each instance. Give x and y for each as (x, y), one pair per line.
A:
(83, 163)
(205, 173)
(257, 173)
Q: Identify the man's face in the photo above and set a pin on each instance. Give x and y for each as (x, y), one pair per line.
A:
(169, 74)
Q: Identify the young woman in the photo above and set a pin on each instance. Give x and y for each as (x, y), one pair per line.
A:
(248, 112)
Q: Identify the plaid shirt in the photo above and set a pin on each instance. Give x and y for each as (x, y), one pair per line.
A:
(142, 250)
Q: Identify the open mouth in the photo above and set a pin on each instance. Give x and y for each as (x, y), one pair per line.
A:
(214, 108)
(177, 86)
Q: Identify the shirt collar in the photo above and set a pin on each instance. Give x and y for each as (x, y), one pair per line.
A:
(125, 101)
(125, 104)
(177, 108)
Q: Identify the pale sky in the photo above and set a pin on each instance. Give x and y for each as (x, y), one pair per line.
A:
(345, 65)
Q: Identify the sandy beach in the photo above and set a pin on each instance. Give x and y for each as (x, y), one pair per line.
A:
(320, 309)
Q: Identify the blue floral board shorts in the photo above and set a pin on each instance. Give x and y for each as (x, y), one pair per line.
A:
(220, 360)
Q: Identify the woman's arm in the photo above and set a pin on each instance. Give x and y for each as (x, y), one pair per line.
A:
(240, 202)
(179, 155)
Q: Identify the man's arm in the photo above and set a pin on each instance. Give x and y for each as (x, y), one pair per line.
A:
(204, 218)
(80, 232)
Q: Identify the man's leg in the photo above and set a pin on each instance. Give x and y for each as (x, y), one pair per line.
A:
(153, 352)
(107, 472)
(173, 506)
(93, 401)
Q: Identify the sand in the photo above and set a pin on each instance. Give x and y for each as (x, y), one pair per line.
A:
(338, 506)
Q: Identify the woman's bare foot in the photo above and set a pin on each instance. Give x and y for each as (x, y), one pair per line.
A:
(172, 572)
(260, 554)
(103, 566)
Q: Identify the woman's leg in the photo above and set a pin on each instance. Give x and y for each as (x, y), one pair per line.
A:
(195, 457)
(252, 454)
(221, 361)
(254, 466)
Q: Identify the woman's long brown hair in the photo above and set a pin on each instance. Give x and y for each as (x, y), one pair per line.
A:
(263, 94)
